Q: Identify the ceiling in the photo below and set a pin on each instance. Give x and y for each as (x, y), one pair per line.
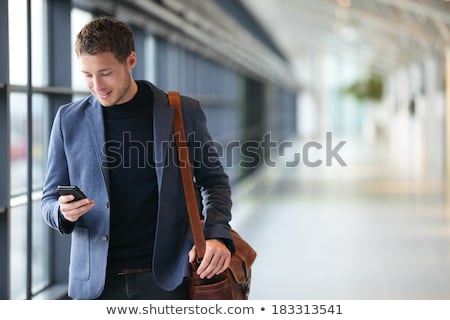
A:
(378, 33)
(372, 34)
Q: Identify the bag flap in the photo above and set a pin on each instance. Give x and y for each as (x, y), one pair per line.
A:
(242, 260)
(243, 250)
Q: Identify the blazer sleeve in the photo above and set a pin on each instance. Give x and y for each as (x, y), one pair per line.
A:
(210, 176)
(56, 173)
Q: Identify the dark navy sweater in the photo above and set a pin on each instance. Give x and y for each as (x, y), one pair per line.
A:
(132, 181)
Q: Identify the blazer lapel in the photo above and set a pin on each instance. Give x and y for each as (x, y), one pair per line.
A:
(162, 127)
(97, 132)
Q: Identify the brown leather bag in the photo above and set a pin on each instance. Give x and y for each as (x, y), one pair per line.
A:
(234, 283)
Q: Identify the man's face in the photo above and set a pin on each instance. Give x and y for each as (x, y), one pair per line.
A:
(108, 79)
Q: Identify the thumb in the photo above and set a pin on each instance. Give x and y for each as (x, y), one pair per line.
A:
(192, 254)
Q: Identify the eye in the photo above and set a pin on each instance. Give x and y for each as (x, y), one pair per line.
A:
(106, 73)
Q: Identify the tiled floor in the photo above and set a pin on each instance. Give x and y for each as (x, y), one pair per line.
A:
(364, 231)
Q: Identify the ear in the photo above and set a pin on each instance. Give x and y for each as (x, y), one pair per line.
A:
(132, 60)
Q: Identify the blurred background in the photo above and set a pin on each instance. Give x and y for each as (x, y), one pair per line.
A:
(331, 118)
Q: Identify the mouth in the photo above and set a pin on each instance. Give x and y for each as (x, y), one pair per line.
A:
(104, 95)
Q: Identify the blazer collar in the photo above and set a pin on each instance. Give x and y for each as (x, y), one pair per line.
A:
(97, 131)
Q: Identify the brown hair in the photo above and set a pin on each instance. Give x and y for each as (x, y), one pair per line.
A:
(105, 34)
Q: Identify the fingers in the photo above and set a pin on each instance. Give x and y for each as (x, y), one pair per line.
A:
(216, 260)
(73, 210)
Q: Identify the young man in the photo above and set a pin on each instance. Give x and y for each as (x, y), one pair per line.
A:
(131, 236)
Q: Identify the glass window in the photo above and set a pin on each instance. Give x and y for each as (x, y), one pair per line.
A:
(18, 122)
(150, 59)
(40, 251)
(78, 19)
(39, 43)
(41, 276)
(18, 63)
(40, 138)
(18, 252)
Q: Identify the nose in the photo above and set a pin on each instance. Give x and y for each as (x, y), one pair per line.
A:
(97, 83)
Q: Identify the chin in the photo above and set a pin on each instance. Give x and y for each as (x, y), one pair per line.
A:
(104, 103)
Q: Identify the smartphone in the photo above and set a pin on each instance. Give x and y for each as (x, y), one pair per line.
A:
(73, 190)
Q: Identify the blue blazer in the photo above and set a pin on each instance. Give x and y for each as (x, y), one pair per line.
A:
(76, 156)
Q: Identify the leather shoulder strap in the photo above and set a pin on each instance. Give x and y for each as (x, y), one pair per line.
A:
(186, 173)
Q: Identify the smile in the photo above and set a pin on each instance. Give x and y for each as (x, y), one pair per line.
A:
(104, 96)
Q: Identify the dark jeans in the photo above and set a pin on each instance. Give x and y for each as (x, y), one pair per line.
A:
(138, 286)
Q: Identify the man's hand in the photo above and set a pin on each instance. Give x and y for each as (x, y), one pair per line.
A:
(216, 260)
(73, 210)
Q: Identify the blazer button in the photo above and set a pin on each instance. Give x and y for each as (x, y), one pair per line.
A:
(105, 237)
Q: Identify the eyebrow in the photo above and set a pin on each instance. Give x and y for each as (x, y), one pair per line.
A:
(98, 71)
